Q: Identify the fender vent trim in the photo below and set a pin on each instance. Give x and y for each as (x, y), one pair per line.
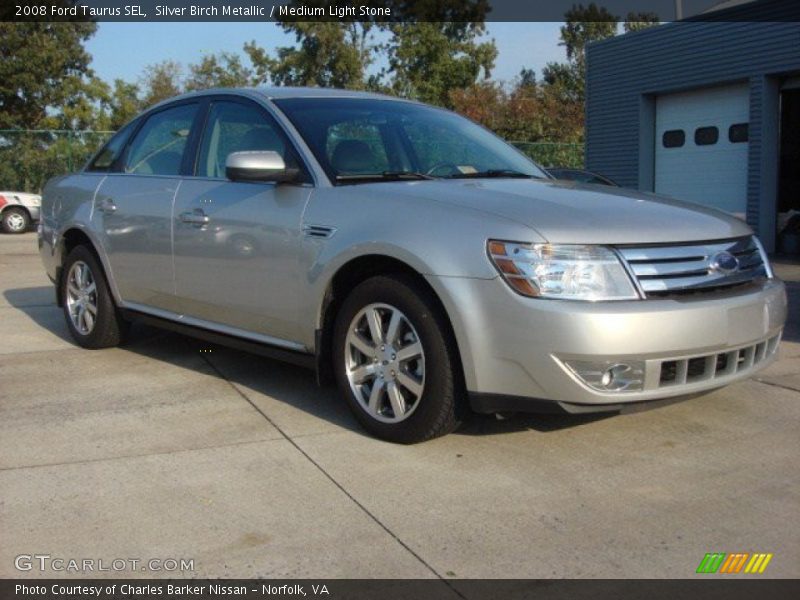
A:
(318, 231)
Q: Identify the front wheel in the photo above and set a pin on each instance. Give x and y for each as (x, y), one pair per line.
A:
(395, 361)
(92, 316)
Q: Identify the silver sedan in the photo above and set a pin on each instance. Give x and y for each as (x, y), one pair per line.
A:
(406, 253)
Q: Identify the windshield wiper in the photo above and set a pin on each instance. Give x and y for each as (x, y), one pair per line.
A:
(495, 173)
(385, 176)
(407, 175)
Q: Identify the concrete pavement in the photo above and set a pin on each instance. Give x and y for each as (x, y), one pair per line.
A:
(171, 448)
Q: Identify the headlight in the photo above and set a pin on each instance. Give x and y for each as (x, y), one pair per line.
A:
(568, 272)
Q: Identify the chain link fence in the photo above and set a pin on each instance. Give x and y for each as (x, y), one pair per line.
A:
(29, 157)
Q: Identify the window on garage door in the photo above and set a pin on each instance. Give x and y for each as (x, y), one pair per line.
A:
(674, 138)
(738, 133)
(706, 136)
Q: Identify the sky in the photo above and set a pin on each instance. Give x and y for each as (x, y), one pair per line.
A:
(123, 50)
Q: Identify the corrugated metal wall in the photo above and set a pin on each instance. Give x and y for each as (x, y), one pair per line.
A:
(625, 73)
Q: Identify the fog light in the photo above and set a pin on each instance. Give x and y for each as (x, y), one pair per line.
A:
(610, 376)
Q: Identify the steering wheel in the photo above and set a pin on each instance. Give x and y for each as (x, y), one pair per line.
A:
(441, 165)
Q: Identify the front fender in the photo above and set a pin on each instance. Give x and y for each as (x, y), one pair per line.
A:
(435, 239)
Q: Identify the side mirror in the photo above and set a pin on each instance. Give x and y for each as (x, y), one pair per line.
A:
(258, 165)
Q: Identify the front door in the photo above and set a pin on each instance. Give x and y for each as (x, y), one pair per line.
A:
(236, 245)
(133, 208)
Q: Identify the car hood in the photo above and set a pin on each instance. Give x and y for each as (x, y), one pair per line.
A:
(575, 213)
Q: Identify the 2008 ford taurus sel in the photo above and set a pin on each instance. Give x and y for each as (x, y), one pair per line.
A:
(408, 253)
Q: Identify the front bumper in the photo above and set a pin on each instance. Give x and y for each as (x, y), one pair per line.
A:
(514, 349)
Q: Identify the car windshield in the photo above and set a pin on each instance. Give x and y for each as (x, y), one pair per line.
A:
(366, 140)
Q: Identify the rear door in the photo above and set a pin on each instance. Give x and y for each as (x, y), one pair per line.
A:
(237, 244)
(133, 206)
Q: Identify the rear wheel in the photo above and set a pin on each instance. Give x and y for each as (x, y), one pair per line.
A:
(395, 361)
(92, 317)
(16, 220)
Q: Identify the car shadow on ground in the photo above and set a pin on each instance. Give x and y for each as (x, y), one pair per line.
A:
(256, 377)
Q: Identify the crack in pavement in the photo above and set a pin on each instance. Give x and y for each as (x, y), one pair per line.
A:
(143, 455)
(330, 477)
(777, 385)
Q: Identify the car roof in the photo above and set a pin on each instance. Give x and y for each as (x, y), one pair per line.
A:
(315, 92)
(277, 93)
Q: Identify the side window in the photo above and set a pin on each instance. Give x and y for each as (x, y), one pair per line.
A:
(236, 127)
(103, 160)
(356, 148)
(157, 148)
(674, 138)
(706, 136)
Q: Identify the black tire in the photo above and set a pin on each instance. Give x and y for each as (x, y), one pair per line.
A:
(109, 328)
(441, 406)
(11, 218)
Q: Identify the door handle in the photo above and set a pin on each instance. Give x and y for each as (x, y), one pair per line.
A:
(195, 217)
(107, 206)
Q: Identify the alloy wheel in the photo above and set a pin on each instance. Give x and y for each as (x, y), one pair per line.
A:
(385, 363)
(81, 297)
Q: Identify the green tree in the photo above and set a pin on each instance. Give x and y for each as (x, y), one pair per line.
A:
(222, 70)
(327, 54)
(433, 47)
(83, 106)
(583, 25)
(526, 112)
(44, 66)
(641, 20)
(526, 78)
(45, 82)
(427, 61)
(161, 81)
(124, 104)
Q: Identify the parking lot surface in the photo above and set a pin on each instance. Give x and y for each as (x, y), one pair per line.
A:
(171, 448)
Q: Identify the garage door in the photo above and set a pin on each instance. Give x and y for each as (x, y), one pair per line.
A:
(701, 146)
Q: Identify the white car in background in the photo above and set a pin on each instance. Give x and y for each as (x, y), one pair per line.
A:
(18, 210)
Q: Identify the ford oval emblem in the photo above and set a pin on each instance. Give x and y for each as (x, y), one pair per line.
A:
(724, 262)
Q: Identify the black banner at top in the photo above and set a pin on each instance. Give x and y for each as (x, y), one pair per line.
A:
(387, 10)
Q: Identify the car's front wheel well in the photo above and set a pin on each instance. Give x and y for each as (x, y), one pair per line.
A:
(71, 239)
(348, 277)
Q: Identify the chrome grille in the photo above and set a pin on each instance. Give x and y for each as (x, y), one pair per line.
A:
(663, 270)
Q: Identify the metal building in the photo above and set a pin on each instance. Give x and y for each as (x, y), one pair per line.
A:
(706, 111)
